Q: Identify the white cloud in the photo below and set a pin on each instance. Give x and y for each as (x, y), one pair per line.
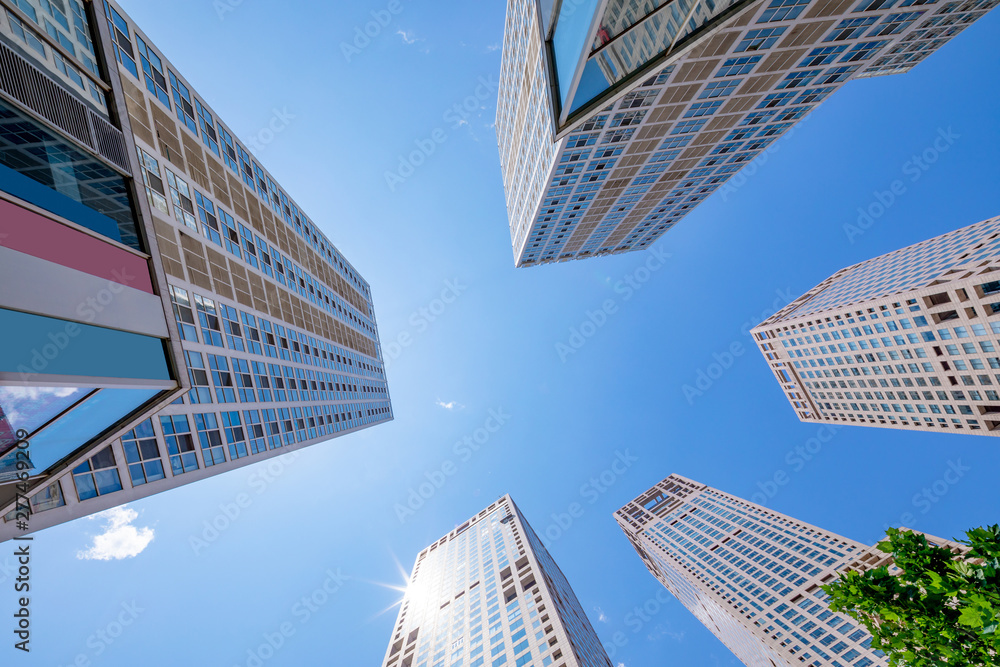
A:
(493, 47)
(120, 538)
(408, 37)
(450, 405)
(601, 616)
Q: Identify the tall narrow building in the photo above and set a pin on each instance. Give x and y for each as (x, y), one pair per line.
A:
(489, 594)
(170, 312)
(615, 119)
(752, 575)
(907, 340)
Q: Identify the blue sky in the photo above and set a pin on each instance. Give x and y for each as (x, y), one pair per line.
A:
(329, 516)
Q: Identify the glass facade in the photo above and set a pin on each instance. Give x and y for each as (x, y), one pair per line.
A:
(489, 594)
(752, 576)
(49, 171)
(905, 340)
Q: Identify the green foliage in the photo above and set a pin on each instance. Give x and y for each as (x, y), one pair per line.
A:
(941, 609)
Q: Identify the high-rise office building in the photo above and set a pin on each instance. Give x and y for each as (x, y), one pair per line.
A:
(616, 118)
(489, 594)
(752, 575)
(171, 312)
(907, 340)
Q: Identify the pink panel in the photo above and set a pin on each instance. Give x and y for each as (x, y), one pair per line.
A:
(36, 235)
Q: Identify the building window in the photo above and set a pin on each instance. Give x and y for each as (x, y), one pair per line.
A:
(699, 109)
(150, 169)
(206, 213)
(222, 379)
(48, 498)
(182, 98)
(26, 34)
(688, 126)
(837, 74)
(245, 166)
(797, 79)
(200, 391)
(180, 194)
(228, 149)
(152, 69)
(850, 28)
(894, 23)
(719, 88)
(822, 56)
(183, 313)
(142, 454)
(738, 66)
(180, 444)
(120, 39)
(211, 331)
(210, 438)
(231, 237)
(863, 51)
(244, 381)
(235, 436)
(208, 135)
(271, 429)
(250, 253)
(757, 40)
(97, 476)
(783, 10)
(231, 320)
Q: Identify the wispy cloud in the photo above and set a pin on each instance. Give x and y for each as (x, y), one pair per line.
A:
(408, 37)
(493, 47)
(601, 616)
(450, 405)
(120, 538)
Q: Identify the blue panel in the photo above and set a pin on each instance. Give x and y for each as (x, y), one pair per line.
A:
(45, 197)
(570, 40)
(593, 82)
(33, 344)
(79, 426)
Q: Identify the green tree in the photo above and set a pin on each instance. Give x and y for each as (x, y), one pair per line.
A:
(940, 608)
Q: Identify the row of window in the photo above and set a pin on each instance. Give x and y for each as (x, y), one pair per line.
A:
(191, 207)
(227, 436)
(244, 332)
(194, 115)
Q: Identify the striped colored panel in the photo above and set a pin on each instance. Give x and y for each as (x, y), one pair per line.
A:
(35, 346)
(36, 235)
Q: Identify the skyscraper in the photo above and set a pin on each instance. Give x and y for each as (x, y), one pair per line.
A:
(175, 314)
(752, 575)
(488, 594)
(616, 119)
(906, 340)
